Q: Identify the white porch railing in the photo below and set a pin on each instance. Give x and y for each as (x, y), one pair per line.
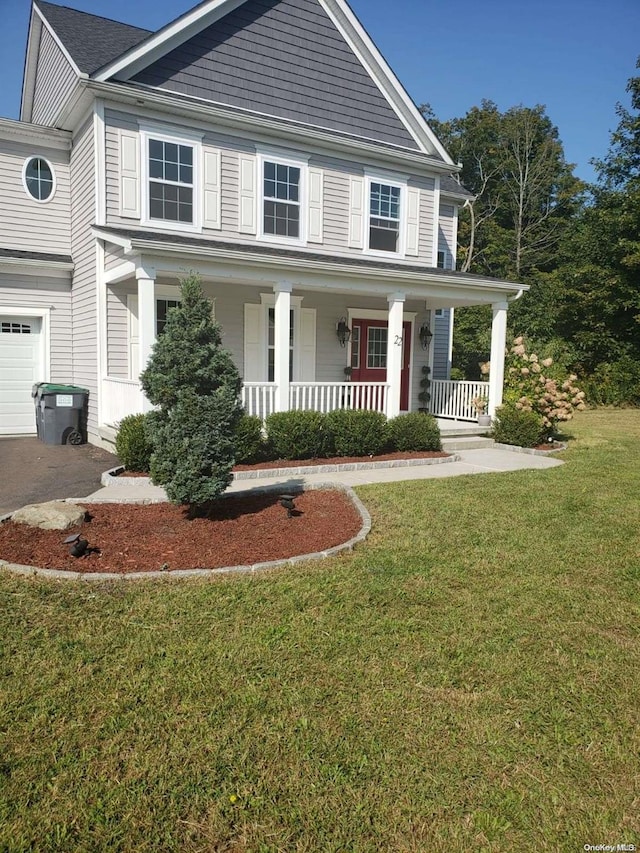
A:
(120, 397)
(258, 398)
(453, 399)
(327, 396)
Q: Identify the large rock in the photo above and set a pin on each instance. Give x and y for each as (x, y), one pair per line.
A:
(53, 515)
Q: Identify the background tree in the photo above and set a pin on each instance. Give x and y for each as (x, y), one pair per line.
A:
(526, 197)
(195, 385)
(600, 269)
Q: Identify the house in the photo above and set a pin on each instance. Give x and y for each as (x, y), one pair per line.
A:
(265, 144)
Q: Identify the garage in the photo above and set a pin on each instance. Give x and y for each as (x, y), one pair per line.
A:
(21, 364)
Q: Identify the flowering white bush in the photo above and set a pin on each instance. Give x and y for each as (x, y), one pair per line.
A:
(530, 384)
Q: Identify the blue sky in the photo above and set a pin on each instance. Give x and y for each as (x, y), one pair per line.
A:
(574, 56)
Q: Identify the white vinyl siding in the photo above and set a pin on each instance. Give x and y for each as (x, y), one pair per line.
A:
(21, 216)
(55, 79)
(335, 220)
(446, 236)
(41, 291)
(83, 294)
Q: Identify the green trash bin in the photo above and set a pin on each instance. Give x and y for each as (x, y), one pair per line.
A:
(61, 413)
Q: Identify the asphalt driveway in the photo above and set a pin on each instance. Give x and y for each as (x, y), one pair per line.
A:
(33, 472)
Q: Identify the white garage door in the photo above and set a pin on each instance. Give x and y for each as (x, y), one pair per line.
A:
(20, 366)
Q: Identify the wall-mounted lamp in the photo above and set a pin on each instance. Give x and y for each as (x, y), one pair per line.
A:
(343, 331)
(426, 335)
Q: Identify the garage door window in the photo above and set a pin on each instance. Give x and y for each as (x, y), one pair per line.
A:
(15, 328)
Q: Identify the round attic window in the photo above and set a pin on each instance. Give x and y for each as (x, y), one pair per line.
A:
(38, 178)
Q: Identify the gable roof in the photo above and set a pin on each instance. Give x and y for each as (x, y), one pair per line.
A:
(283, 58)
(207, 13)
(90, 40)
(108, 50)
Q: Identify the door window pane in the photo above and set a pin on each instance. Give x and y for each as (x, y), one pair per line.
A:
(376, 347)
(355, 347)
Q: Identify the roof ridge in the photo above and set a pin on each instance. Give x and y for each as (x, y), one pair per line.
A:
(44, 3)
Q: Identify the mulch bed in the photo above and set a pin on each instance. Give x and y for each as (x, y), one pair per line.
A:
(142, 538)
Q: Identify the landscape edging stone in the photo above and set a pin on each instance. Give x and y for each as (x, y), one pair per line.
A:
(60, 574)
(112, 478)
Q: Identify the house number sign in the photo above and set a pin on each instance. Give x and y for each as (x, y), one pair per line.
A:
(398, 340)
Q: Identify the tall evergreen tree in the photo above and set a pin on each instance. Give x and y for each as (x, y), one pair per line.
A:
(600, 273)
(195, 385)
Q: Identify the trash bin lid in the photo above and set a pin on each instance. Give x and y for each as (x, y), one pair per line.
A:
(54, 388)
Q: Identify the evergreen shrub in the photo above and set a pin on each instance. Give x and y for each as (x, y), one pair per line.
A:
(296, 435)
(414, 431)
(195, 385)
(356, 432)
(133, 446)
(250, 443)
(518, 426)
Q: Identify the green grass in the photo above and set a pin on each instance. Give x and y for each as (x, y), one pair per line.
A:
(469, 679)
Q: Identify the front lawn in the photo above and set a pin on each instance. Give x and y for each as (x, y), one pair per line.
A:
(468, 679)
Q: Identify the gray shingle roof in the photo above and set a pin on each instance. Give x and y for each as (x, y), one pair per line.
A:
(21, 254)
(91, 41)
(450, 186)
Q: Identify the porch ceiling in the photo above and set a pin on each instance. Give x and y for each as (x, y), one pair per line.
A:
(258, 264)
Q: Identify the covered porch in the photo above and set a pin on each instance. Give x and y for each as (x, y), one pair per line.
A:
(320, 335)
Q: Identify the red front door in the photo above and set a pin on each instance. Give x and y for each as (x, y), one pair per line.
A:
(369, 355)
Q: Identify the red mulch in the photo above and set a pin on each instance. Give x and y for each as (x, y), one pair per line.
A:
(142, 538)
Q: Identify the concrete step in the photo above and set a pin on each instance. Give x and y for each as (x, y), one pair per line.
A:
(470, 442)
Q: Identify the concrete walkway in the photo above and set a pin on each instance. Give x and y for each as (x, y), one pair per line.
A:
(479, 461)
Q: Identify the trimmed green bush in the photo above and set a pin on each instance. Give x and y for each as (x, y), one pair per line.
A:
(196, 386)
(133, 445)
(414, 431)
(197, 437)
(356, 432)
(296, 435)
(250, 443)
(522, 428)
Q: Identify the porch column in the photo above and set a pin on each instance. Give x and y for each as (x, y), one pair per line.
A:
(282, 333)
(498, 344)
(146, 277)
(394, 353)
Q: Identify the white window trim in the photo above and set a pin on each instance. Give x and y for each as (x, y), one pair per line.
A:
(53, 176)
(268, 300)
(393, 180)
(283, 158)
(193, 140)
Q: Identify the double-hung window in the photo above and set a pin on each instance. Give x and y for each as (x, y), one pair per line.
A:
(171, 172)
(384, 217)
(385, 222)
(281, 188)
(170, 181)
(281, 211)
